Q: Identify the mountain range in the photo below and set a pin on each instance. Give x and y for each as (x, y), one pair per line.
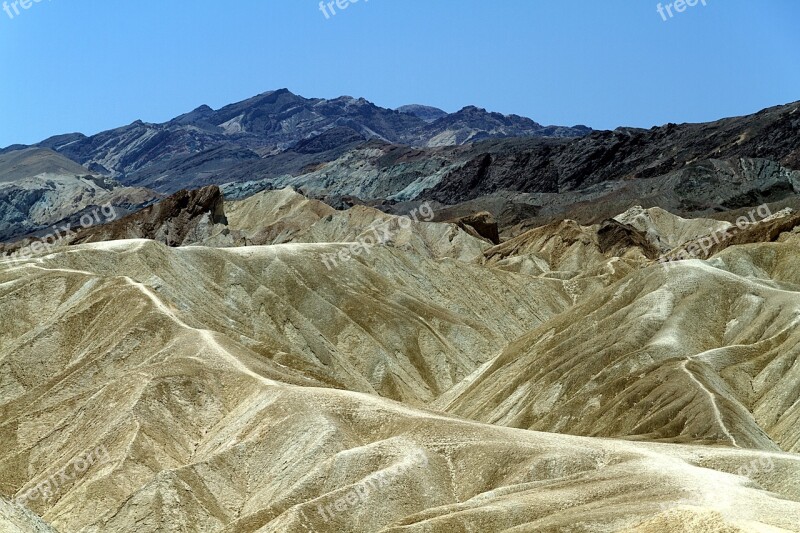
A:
(348, 151)
(205, 142)
(320, 315)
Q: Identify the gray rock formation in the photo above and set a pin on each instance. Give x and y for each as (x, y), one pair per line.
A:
(192, 148)
(40, 188)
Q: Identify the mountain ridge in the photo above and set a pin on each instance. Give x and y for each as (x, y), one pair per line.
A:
(347, 150)
(268, 124)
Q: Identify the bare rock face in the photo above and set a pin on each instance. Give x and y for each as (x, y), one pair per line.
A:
(15, 518)
(630, 154)
(40, 188)
(483, 224)
(186, 217)
(763, 231)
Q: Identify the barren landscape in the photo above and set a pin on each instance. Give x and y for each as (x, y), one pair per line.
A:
(434, 382)
(363, 266)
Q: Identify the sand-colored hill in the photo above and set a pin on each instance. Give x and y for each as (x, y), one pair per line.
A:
(568, 247)
(686, 353)
(198, 432)
(586, 258)
(667, 231)
(275, 217)
(387, 323)
(403, 388)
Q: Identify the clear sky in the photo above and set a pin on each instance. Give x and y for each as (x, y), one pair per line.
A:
(89, 65)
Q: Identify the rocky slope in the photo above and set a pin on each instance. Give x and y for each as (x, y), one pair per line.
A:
(529, 183)
(184, 151)
(546, 165)
(186, 217)
(524, 174)
(521, 182)
(248, 389)
(259, 365)
(40, 188)
(706, 189)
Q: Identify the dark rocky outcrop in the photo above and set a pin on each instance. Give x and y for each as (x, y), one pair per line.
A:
(703, 189)
(186, 217)
(615, 239)
(554, 165)
(764, 231)
(482, 224)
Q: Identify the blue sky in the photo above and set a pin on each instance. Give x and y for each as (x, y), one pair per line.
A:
(81, 65)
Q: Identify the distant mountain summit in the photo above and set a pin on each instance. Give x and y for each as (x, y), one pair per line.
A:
(207, 142)
(347, 151)
(426, 113)
(472, 124)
